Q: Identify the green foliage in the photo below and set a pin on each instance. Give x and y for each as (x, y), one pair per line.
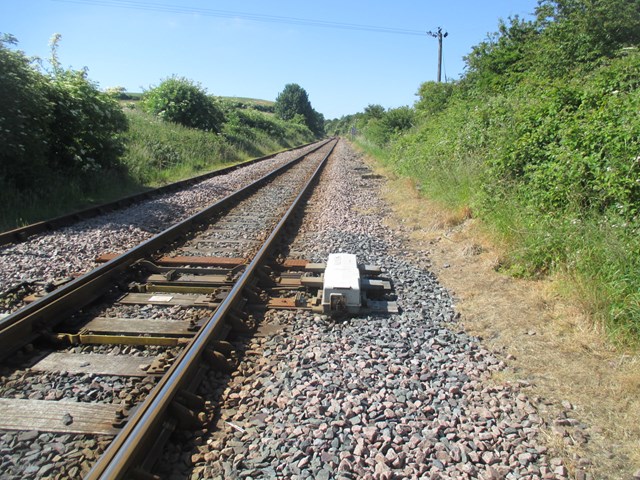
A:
(540, 139)
(158, 151)
(66, 144)
(503, 57)
(577, 33)
(26, 114)
(87, 126)
(433, 97)
(53, 124)
(182, 101)
(388, 125)
(291, 101)
(293, 104)
(343, 125)
(240, 103)
(254, 132)
(373, 111)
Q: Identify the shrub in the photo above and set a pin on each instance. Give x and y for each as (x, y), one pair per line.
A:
(434, 97)
(182, 101)
(53, 124)
(87, 126)
(25, 116)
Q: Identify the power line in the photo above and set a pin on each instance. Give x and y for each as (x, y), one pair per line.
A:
(207, 12)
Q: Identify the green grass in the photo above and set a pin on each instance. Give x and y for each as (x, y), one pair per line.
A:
(159, 152)
(63, 195)
(251, 101)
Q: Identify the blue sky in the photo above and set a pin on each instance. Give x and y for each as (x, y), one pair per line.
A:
(342, 70)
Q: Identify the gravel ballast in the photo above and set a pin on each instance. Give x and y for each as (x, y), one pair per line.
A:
(406, 395)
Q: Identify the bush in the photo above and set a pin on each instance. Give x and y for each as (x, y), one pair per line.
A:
(53, 124)
(434, 97)
(87, 127)
(182, 101)
(540, 138)
(26, 113)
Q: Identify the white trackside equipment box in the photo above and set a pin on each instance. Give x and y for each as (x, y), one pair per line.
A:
(341, 288)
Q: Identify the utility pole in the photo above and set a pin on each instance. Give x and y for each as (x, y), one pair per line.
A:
(439, 35)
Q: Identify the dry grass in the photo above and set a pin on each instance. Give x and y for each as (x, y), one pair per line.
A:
(548, 344)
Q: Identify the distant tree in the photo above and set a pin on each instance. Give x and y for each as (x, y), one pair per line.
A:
(318, 123)
(293, 101)
(119, 93)
(374, 111)
(183, 101)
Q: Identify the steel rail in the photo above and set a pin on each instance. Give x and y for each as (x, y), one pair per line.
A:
(21, 234)
(24, 325)
(139, 432)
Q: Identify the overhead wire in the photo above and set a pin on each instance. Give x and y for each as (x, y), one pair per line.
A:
(160, 7)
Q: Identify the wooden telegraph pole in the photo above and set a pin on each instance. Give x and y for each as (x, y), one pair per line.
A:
(439, 35)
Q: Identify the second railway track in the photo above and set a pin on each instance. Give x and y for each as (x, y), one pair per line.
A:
(137, 332)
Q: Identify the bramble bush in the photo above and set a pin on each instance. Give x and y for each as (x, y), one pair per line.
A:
(26, 114)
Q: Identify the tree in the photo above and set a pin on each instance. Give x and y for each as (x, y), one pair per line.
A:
(182, 101)
(373, 111)
(292, 101)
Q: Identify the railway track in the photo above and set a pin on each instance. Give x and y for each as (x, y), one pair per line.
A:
(137, 332)
(46, 260)
(404, 395)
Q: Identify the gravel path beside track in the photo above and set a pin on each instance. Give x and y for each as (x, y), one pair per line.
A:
(72, 250)
(376, 397)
